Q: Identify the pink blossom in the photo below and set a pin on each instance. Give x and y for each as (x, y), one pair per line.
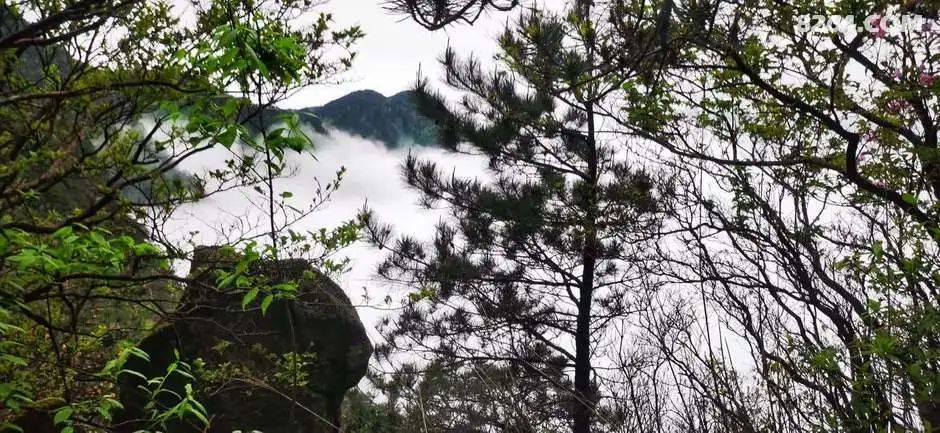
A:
(870, 136)
(880, 184)
(898, 75)
(926, 78)
(877, 27)
(862, 157)
(897, 105)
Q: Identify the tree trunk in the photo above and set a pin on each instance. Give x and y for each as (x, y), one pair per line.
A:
(584, 409)
(584, 406)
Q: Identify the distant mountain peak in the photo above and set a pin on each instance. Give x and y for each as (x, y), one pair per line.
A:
(364, 94)
(393, 120)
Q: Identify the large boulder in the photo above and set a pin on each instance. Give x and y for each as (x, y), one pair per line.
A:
(285, 370)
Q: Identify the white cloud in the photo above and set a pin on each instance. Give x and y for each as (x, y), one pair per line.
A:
(373, 175)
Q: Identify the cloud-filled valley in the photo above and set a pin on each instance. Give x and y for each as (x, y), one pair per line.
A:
(373, 177)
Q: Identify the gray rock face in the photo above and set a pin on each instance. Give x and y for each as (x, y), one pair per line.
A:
(310, 350)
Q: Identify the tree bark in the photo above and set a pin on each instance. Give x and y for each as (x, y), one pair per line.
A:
(584, 407)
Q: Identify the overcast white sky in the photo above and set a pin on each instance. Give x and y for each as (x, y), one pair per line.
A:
(394, 48)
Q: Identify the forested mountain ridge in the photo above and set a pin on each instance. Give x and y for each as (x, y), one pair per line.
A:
(393, 120)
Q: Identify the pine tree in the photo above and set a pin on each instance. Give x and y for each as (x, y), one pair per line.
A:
(534, 265)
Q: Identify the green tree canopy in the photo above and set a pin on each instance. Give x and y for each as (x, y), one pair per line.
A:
(101, 101)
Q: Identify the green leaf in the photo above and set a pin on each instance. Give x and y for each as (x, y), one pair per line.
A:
(274, 134)
(63, 232)
(62, 415)
(910, 199)
(144, 249)
(227, 137)
(227, 280)
(202, 418)
(13, 360)
(133, 373)
(105, 414)
(139, 353)
(10, 427)
(250, 296)
(196, 404)
(266, 303)
(98, 239)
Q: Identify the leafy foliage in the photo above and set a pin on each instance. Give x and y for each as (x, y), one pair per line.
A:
(101, 101)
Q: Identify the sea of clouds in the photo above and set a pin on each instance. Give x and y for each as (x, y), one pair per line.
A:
(373, 177)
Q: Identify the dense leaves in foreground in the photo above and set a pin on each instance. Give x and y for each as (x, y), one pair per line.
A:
(101, 103)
